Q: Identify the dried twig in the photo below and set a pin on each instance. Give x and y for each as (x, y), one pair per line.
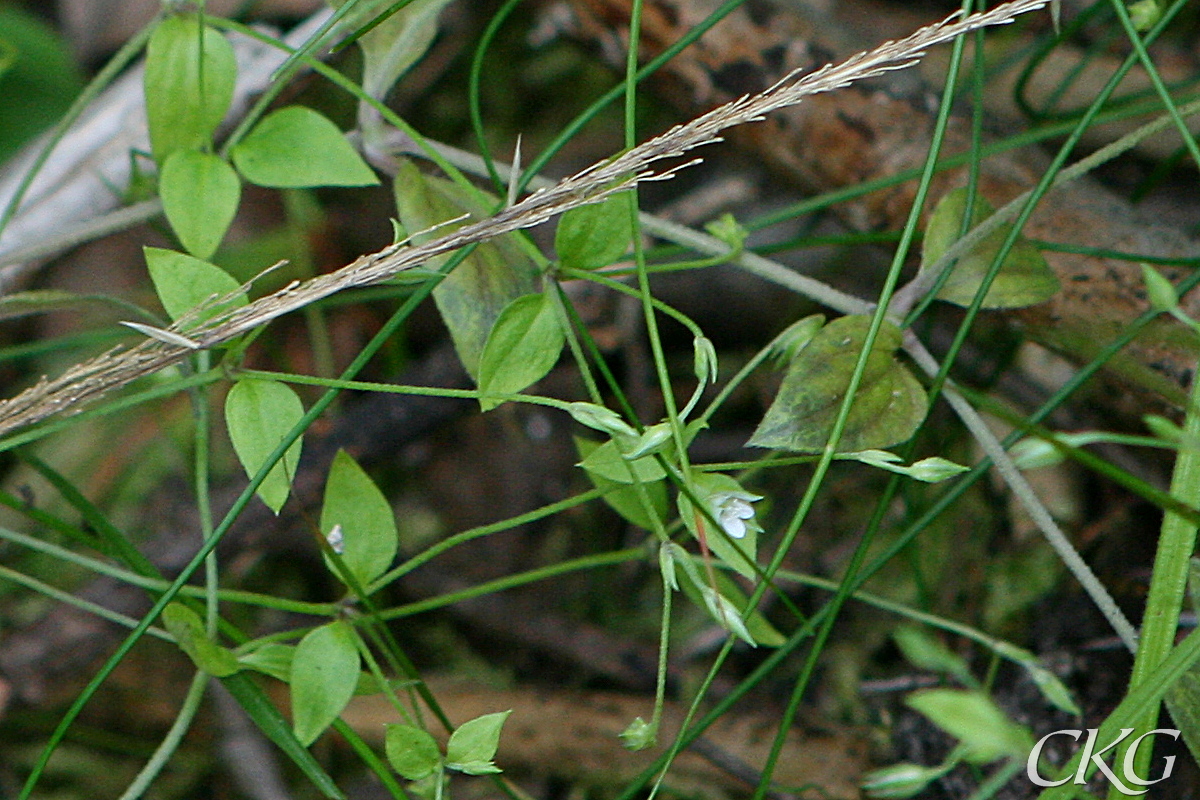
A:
(117, 368)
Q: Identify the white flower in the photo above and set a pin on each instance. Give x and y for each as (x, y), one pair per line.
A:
(734, 512)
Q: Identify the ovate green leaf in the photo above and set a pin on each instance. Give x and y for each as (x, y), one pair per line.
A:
(200, 194)
(369, 537)
(188, 629)
(620, 495)
(522, 347)
(1024, 278)
(972, 718)
(296, 147)
(887, 409)
(496, 273)
(184, 282)
(324, 673)
(190, 73)
(595, 235)
(473, 745)
(412, 752)
(259, 414)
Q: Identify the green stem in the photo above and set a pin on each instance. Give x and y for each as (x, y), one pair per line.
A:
(170, 743)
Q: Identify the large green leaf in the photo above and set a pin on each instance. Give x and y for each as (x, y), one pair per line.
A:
(1024, 278)
(497, 272)
(190, 73)
(523, 346)
(259, 414)
(297, 147)
(200, 194)
(184, 282)
(888, 406)
(324, 673)
(368, 528)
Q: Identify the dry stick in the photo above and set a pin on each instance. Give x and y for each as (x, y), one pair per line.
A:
(116, 368)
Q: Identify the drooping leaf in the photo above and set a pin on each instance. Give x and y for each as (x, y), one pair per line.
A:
(888, 406)
(200, 194)
(1024, 278)
(297, 147)
(972, 718)
(258, 414)
(717, 491)
(188, 629)
(595, 235)
(473, 744)
(412, 752)
(38, 77)
(496, 273)
(353, 501)
(324, 673)
(184, 282)
(523, 346)
(190, 73)
(620, 495)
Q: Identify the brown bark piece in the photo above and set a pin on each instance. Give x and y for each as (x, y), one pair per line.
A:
(574, 736)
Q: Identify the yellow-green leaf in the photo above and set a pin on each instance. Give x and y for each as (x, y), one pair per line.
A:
(1024, 278)
(190, 74)
(888, 406)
